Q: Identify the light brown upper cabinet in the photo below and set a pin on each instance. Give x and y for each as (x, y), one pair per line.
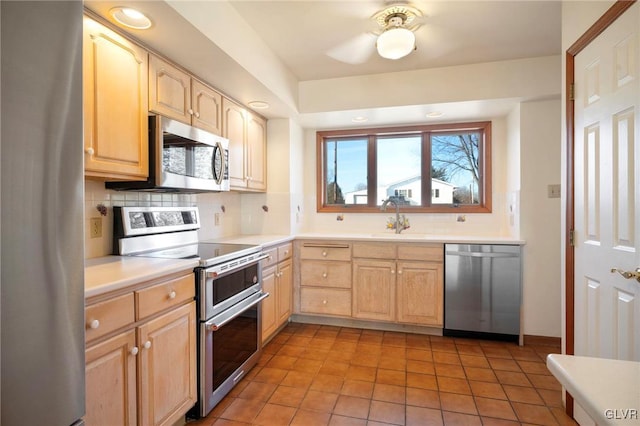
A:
(247, 134)
(115, 88)
(175, 94)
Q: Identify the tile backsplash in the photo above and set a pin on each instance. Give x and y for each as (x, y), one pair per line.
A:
(96, 196)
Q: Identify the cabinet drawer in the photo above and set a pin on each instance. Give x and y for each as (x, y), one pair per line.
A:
(326, 251)
(285, 251)
(430, 252)
(272, 258)
(316, 273)
(105, 317)
(162, 296)
(374, 250)
(325, 301)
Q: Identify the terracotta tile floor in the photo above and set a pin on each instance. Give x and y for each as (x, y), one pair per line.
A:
(323, 375)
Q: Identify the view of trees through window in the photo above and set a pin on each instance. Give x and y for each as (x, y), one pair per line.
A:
(421, 168)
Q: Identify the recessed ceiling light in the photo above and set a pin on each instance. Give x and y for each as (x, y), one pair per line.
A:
(359, 119)
(435, 114)
(130, 18)
(259, 104)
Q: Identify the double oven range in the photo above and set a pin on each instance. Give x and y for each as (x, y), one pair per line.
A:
(228, 291)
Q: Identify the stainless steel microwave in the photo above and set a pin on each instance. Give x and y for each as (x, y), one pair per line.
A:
(182, 158)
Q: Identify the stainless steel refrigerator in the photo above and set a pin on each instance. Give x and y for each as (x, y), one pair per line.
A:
(41, 202)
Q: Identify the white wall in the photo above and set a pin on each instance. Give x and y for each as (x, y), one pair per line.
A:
(577, 17)
(486, 224)
(513, 172)
(540, 217)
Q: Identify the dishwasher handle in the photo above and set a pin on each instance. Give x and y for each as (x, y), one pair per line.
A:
(480, 254)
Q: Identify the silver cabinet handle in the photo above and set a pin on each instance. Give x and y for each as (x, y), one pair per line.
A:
(628, 274)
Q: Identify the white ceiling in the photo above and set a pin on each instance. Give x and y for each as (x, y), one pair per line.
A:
(327, 39)
(320, 39)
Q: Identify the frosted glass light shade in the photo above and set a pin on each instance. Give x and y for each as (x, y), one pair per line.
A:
(396, 43)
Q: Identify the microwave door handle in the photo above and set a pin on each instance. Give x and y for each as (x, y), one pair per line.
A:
(217, 322)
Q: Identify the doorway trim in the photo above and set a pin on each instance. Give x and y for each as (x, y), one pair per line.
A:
(617, 9)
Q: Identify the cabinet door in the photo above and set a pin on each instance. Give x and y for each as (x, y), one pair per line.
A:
(234, 119)
(167, 377)
(169, 90)
(207, 108)
(269, 305)
(111, 382)
(115, 105)
(285, 291)
(257, 153)
(374, 289)
(420, 293)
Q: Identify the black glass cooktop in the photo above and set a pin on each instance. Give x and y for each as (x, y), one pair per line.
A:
(208, 253)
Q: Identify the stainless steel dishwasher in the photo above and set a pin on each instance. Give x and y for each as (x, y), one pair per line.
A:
(483, 291)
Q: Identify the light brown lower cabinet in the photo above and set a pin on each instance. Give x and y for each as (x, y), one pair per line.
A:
(401, 283)
(110, 376)
(277, 280)
(142, 373)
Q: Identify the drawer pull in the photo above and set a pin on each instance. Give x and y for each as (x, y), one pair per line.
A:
(147, 344)
(286, 252)
(324, 253)
(94, 324)
(324, 302)
(324, 275)
(134, 351)
(172, 295)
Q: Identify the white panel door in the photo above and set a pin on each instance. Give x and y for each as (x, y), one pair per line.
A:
(607, 202)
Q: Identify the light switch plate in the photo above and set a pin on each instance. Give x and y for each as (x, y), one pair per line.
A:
(553, 191)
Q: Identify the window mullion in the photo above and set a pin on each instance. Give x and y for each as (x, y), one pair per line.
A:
(372, 171)
(426, 169)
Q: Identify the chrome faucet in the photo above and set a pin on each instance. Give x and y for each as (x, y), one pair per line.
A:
(401, 222)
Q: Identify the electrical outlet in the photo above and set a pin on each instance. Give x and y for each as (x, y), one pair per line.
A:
(95, 227)
(216, 219)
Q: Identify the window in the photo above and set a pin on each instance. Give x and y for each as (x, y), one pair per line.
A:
(359, 169)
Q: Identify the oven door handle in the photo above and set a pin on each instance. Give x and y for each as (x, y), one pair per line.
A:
(213, 272)
(215, 323)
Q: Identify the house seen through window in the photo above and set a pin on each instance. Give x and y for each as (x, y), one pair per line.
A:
(423, 168)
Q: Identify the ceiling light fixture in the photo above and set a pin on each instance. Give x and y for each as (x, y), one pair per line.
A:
(130, 18)
(259, 104)
(397, 40)
(360, 119)
(435, 114)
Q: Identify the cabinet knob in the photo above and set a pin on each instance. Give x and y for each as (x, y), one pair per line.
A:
(190, 111)
(197, 115)
(134, 350)
(172, 295)
(270, 258)
(324, 302)
(324, 253)
(94, 324)
(286, 252)
(400, 272)
(393, 272)
(90, 151)
(147, 344)
(324, 275)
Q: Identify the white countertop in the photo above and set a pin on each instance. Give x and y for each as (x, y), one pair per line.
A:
(607, 389)
(413, 237)
(109, 273)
